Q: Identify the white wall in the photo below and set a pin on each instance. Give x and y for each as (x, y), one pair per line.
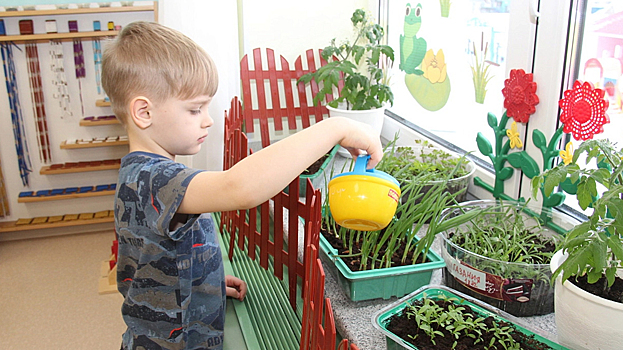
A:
(291, 27)
(288, 27)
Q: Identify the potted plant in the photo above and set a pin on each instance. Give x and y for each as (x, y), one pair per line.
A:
(502, 256)
(438, 317)
(405, 162)
(587, 268)
(355, 80)
(397, 259)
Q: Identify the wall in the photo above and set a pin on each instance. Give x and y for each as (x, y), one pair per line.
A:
(226, 29)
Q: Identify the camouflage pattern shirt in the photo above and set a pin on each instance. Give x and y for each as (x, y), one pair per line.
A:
(172, 279)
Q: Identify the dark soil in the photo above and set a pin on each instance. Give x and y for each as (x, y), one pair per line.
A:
(542, 295)
(354, 263)
(406, 328)
(600, 288)
(312, 169)
(541, 300)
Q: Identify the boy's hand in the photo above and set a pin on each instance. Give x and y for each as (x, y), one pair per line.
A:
(236, 288)
(360, 137)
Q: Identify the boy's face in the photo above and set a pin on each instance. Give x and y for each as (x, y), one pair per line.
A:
(181, 126)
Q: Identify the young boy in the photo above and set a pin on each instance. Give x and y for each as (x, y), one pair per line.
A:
(170, 271)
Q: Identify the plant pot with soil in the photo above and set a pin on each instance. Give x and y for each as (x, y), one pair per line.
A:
(438, 317)
(355, 80)
(502, 256)
(588, 268)
(396, 260)
(405, 162)
(314, 172)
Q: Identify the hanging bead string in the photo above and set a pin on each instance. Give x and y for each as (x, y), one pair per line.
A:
(4, 199)
(78, 60)
(21, 144)
(97, 57)
(34, 74)
(36, 93)
(57, 67)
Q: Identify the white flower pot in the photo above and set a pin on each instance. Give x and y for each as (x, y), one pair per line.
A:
(583, 320)
(372, 117)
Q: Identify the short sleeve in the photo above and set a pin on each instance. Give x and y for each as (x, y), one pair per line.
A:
(153, 193)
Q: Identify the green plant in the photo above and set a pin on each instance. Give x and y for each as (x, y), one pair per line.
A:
(480, 72)
(378, 248)
(364, 87)
(445, 316)
(502, 233)
(406, 162)
(594, 247)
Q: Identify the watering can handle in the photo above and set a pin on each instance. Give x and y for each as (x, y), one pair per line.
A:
(361, 163)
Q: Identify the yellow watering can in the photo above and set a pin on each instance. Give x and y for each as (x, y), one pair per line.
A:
(364, 199)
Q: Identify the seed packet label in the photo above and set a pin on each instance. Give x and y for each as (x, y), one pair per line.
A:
(493, 286)
(467, 275)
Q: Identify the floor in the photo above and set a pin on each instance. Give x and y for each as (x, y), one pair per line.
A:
(49, 296)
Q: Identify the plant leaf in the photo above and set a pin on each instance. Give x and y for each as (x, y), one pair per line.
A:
(539, 139)
(505, 173)
(484, 146)
(523, 161)
(492, 120)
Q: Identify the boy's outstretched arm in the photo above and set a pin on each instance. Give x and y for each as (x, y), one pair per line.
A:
(262, 175)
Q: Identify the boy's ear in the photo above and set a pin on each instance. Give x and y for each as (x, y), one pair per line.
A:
(139, 112)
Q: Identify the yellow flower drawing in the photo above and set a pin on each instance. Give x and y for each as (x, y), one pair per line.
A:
(434, 66)
(567, 154)
(513, 136)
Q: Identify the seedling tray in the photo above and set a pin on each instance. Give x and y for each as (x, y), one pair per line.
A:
(379, 283)
(381, 318)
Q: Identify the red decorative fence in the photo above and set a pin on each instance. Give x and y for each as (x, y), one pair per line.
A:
(266, 85)
(317, 325)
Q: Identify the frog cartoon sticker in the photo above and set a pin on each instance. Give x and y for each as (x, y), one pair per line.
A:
(426, 75)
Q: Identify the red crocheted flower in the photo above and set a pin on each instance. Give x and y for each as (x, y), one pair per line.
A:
(583, 111)
(519, 95)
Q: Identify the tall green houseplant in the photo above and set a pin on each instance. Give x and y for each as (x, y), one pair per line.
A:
(361, 66)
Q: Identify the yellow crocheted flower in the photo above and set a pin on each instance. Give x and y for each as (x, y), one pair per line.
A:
(434, 66)
(513, 136)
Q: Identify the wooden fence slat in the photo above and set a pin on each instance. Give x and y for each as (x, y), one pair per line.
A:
(273, 75)
(278, 235)
(264, 238)
(288, 78)
(293, 238)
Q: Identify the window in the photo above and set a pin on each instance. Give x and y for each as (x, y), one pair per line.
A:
(462, 54)
(572, 39)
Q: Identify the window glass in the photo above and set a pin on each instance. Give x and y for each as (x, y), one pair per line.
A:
(601, 60)
(450, 65)
(600, 55)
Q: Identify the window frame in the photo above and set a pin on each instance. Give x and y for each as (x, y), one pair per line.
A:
(550, 23)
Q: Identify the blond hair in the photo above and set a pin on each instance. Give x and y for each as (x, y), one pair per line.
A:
(157, 62)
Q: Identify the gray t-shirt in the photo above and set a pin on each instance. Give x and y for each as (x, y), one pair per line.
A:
(172, 279)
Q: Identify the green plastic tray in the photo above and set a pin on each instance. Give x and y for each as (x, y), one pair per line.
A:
(381, 318)
(380, 283)
(315, 177)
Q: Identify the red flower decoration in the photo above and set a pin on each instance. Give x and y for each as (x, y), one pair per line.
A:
(520, 96)
(583, 111)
